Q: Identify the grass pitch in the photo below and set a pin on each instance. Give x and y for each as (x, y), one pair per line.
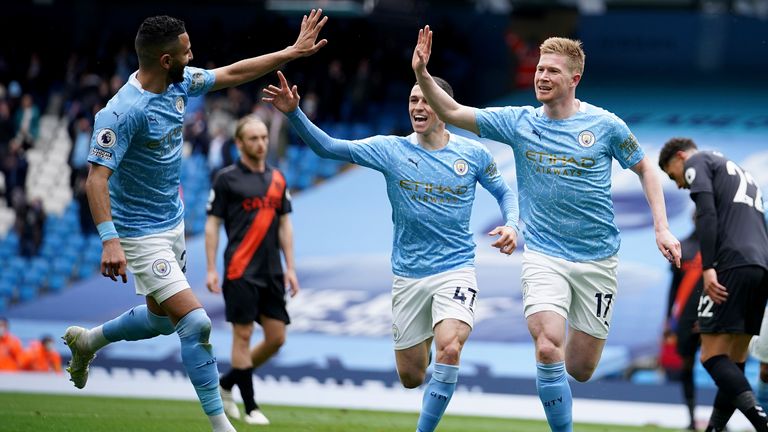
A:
(22, 412)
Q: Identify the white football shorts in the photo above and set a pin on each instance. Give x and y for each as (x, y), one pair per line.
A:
(420, 304)
(581, 292)
(158, 262)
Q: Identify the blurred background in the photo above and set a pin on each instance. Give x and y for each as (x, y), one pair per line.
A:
(669, 68)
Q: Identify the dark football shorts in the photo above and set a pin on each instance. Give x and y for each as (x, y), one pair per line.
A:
(247, 299)
(743, 311)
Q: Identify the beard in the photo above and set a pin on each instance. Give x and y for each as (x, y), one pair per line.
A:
(176, 73)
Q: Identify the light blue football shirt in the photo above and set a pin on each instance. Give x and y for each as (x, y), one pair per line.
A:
(564, 175)
(431, 193)
(138, 135)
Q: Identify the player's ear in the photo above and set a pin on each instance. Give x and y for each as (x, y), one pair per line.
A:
(576, 79)
(165, 61)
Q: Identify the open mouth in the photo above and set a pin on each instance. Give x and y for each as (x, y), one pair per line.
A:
(419, 119)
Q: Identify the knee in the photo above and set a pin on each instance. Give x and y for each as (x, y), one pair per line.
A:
(412, 378)
(449, 354)
(196, 322)
(243, 333)
(581, 373)
(275, 342)
(547, 351)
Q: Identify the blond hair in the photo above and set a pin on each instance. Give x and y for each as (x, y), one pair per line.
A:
(569, 48)
(244, 121)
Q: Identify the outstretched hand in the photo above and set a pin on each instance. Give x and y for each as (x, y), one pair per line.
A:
(422, 51)
(284, 98)
(305, 44)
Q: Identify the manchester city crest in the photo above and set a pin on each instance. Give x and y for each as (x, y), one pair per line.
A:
(460, 167)
(586, 139)
(179, 104)
(161, 267)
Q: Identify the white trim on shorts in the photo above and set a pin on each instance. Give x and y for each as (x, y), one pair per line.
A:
(156, 261)
(420, 304)
(577, 291)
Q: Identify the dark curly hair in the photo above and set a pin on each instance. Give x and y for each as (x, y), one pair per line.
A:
(671, 148)
(156, 34)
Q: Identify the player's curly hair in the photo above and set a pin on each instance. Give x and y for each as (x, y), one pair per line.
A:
(671, 148)
(157, 34)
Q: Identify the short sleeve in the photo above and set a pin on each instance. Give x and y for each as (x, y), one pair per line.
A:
(198, 81)
(697, 174)
(624, 146)
(217, 199)
(112, 135)
(498, 124)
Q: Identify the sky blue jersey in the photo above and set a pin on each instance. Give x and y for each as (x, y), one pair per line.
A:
(564, 175)
(138, 135)
(431, 193)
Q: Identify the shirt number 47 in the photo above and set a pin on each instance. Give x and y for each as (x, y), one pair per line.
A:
(461, 297)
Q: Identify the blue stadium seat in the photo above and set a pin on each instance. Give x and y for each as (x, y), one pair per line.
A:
(293, 154)
(12, 277)
(304, 180)
(63, 265)
(7, 287)
(18, 265)
(56, 282)
(28, 292)
(11, 240)
(85, 268)
(7, 251)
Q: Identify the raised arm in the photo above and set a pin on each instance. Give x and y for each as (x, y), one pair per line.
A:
(286, 99)
(249, 69)
(446, 108)
(665, 241)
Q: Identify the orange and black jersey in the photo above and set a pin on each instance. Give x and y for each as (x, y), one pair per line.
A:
(250, 204)
(687, 283)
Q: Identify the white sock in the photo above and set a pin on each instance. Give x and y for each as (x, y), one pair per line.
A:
(220, 423)
(95, 339)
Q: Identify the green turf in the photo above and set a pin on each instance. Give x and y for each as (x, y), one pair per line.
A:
(23, 412)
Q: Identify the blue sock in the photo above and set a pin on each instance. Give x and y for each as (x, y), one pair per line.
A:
(197, 357)
(555, 394)
(762, 394)
(437, 394)
(137, 324)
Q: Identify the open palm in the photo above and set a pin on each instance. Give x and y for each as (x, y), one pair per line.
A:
(422, 51)
(284, 98)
